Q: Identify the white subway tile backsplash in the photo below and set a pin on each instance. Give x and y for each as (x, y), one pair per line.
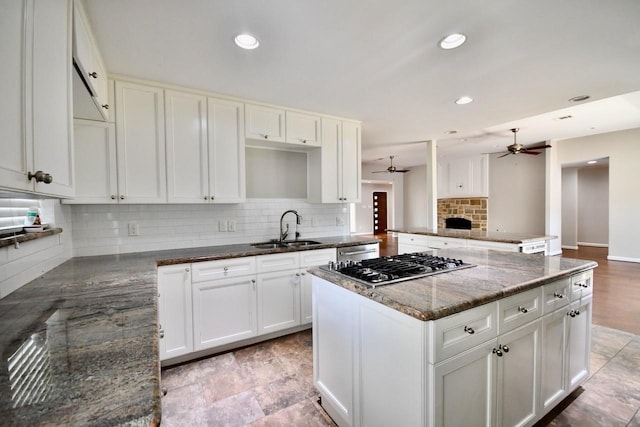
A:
(103, 229)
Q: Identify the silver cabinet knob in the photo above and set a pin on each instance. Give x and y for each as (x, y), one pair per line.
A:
(187, 269)
(113, 197)
(522, 309)
(206, 198)
(164, 391)
(226, 269)
(161, 333)
(40, 177)
(121, 197)
(266, 137)
(557, 295)
(497, 352)
(505, 348)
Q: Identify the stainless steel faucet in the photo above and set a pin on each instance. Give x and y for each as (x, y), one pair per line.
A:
(283, 233)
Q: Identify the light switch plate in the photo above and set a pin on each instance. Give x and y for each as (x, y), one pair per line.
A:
(231, 225)
(134, 230)
(222, 225)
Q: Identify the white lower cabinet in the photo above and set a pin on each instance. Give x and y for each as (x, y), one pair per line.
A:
(174, 310)
(209, 304)
(499, 364)
(224, 311)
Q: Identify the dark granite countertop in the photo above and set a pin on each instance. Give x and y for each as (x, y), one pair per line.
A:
(497, 274)
(25, 237)
(79, 344)
(493, 236)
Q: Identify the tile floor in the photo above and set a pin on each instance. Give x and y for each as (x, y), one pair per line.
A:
(270, 384)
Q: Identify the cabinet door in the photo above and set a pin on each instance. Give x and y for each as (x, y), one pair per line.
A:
(278, 301)
(224, 311)
(186, 142)
(95, 162)
(15, 140)
(465, 388)
(518, 376)
(330, 176)
(265, 123)
(174, 311)
(303, 129)
(226, 151)
(51, 86)
(579, 342)
(350, 162)
(553, 384)
(311, 259)
(141, 143)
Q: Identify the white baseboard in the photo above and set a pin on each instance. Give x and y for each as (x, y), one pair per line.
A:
(555, 253)
(575, 248)
(622, 258)
(595, 245)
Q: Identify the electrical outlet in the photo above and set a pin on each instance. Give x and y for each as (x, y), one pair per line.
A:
(339, 221)
(222, 225)
(133, 229)
(231, 225)
(314, 221)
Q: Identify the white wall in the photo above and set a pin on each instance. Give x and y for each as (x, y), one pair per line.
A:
(570, 208)
(517, 194)
(397, 181)
(623, 150)
(415, 198)
(593, 206)
(33, 258)
(103, 229)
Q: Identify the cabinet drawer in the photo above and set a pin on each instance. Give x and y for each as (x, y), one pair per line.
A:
(436, 242)
(519, 309)
(317, 257)
(581, 285)
(222, 269)
(277, 262)
(555, 295)
(511, 247)
(462, 331)
(413, 239)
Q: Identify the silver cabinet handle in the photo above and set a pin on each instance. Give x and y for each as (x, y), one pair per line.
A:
(367, 251)
(161, 333)
(469, 330)
(164, 391)
(105, 106)
(497, 352)
(94, 75)
(557, 295)
(505, 348)
(522, 309)
(225, 268)
(40, 177)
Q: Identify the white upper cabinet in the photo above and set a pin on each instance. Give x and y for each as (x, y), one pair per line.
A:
(186, 126)
(226, 151)
(141, 143)
(89, 63)
(205, 149)
(337, 163)
(95, 162)
(265, 123)
(463, 177)
(303, 129)
(35, 85)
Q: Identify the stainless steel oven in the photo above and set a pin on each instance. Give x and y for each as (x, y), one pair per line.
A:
(359, 252)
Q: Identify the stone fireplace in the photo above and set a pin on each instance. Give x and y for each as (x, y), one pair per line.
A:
(472, 208)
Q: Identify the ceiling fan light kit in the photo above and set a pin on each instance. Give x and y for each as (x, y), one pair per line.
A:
(391, 168)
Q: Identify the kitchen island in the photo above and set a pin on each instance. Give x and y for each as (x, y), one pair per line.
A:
(500, 343)
(413, 239)
(80, 345)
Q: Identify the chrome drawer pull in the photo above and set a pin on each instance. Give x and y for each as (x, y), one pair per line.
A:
(469, 330)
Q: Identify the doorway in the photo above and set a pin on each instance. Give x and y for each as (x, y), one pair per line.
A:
(379, 212)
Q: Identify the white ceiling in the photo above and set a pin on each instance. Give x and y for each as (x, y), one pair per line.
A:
(378, 61)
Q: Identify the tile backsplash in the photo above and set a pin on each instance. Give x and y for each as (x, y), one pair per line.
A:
(104, 229)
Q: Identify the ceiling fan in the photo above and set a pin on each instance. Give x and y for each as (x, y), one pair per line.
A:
(516, 148)
(392, 169)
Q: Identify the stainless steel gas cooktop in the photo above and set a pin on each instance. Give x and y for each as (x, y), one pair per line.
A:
(396, 268)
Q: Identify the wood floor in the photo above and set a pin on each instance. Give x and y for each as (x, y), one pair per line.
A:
(616, 296)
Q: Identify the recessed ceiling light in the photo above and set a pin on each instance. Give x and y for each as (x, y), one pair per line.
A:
(579, 98)
(452, 41)
(464, 100)
(246, 41)
(592, 162)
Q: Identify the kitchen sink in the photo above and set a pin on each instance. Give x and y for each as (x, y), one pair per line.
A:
(296, 243)
(285, 244)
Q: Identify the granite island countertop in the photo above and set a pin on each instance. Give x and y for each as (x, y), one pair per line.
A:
(497, 274)
(493, 236)
(79, 345)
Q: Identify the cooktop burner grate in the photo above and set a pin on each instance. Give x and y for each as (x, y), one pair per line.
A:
(396, 268)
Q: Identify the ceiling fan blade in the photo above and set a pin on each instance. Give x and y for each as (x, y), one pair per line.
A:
(380, 172)
(538, 147)
(505, 154)
(403, 170)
